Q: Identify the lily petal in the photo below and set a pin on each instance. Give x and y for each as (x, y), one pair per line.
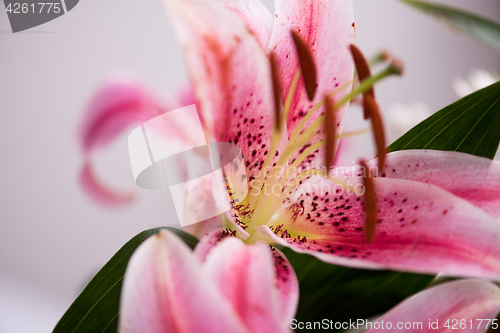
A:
(475, 179)
(120, 104)
(328, 29)
(471, 303)
(230, 74)
(99, 192)
(286, 279)
(420, 228)
(201, 228)
(288, 285)
(116, 106)
(165, 290)
(256, 16)
(247, 277)
(199, 201)
(209, 240)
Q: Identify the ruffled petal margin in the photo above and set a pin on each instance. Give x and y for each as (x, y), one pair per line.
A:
(473, 178)
(465, 306)
(421, 228)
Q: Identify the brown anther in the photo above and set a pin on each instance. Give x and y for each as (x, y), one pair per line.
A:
(276, 91)
(370, 106)
(378, 129)
(306, 65)
(370, 204)
(382, 56)
(385, 55)
(397, 66)
(330, 126)
(363, 70)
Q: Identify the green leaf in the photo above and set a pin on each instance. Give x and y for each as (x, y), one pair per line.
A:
(96, 308)
(481, 28)
(470, 125)
(341, 293)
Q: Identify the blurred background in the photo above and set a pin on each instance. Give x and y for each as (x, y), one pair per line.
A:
(53, 238)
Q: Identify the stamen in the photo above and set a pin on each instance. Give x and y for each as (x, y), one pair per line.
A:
(370, 204)
(276, 91)
(397, 66)
(364, 86)
(306, 64)
(370, 106)
(311, 112)
(353, 133)
(303, 137)
(363, 70)
(310, 148)
(256, 185)
(362, 66)
(381, 57)
(284, 183)
(289, 97)
(258, 200)
(330, 126)
(378, 130)
(265, 198)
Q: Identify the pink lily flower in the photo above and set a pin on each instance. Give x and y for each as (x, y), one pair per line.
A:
(461, 306)
(231, 287)
(436, 211)
(227, 286)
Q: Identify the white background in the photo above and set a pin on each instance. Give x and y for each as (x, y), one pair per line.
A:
(52, 237)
